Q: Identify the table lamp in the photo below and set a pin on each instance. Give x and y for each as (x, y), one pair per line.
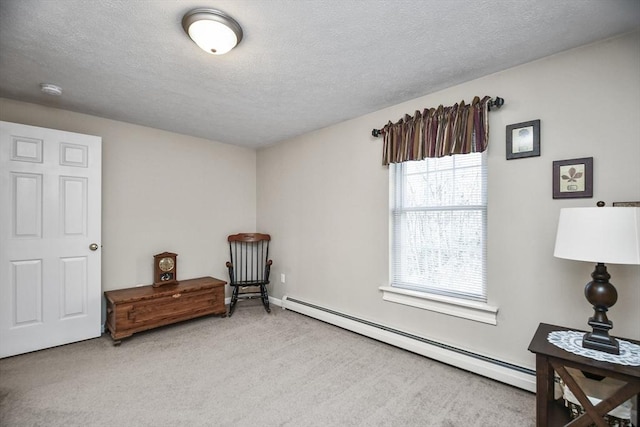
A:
(601, 235)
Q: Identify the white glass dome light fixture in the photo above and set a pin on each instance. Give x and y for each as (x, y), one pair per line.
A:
(214, 31)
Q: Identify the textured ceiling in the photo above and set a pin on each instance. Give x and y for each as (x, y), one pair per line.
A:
(302, 65)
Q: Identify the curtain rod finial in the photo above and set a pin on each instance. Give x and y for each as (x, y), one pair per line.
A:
(497, 102)
(376, 133)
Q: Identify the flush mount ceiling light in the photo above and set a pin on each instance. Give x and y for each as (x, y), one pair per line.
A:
(214, 31)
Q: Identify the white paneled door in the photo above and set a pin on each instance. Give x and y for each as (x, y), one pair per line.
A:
(50, 213)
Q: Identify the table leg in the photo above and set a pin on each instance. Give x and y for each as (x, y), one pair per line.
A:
(544, 390)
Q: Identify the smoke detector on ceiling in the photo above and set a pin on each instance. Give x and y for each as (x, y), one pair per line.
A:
(50, 89)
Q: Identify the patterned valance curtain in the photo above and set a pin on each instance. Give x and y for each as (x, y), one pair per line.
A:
(438, 132)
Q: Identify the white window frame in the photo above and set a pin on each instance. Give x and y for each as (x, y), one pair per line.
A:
(470, 306)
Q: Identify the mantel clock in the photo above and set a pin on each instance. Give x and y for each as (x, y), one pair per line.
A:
(164, 269)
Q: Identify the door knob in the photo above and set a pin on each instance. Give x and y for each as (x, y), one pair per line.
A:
(93, 246)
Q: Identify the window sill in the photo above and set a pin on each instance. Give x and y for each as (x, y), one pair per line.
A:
(472, 310)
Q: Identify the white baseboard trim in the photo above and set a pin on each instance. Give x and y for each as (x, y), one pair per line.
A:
(507, 373)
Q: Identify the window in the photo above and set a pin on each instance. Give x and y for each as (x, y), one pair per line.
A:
(438, 226)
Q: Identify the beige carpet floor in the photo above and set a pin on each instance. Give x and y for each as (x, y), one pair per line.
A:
(252, 369)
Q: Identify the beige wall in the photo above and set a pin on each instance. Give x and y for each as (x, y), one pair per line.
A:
(160, 191)
(324, 198)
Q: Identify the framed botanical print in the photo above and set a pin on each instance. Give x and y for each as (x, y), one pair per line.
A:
(573, 179)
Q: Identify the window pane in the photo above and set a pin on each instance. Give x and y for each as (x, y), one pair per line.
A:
(429, 189)
(468, 185)
(439, 223)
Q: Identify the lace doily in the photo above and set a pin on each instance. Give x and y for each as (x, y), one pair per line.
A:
(571, 341)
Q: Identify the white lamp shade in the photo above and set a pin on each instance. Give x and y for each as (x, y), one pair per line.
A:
(600, 234)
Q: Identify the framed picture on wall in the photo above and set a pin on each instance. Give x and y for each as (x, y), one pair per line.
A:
(523, 140)
(627, 204)
(573, 179)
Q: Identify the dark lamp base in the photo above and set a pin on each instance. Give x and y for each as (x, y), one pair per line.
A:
(602, 295)
(601, 343)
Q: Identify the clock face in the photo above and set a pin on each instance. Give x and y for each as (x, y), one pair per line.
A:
(166, 264)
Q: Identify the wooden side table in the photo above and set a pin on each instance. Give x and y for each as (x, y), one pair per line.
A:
(550, 358)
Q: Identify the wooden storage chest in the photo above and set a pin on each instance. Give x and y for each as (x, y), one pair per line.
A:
(138, 309)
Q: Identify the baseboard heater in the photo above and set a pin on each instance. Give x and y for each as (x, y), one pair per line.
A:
(498, 370)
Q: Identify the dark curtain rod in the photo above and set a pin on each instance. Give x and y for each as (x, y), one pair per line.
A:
(497, 102)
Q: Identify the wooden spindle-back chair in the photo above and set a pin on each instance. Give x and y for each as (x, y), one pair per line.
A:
(249, 267)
